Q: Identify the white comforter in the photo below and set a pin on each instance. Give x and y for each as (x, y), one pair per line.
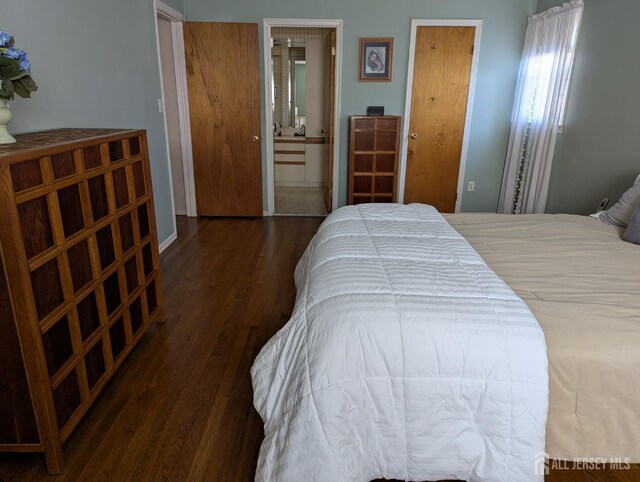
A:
(405, 357)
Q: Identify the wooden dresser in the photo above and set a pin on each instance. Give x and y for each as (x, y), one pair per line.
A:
(79, 281)
(374, 144)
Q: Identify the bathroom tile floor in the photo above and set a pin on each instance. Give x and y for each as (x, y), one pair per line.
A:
(301, 200)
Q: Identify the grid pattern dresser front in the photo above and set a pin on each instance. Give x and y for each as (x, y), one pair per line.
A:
(79, 277)
(374, 143)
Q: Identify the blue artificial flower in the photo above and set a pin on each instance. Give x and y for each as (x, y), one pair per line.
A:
(4, 38)
(13, 53)
(25, 64)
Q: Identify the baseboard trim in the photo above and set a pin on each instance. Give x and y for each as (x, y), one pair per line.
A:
(167, 242)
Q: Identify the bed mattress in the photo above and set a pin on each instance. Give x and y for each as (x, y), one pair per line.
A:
(582, 283)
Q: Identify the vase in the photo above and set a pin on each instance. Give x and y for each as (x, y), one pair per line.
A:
(5, 118)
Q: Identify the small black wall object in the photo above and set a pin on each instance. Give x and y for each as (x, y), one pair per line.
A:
(375, 110)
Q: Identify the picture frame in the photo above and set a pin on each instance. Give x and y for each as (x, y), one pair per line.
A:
(376, 59)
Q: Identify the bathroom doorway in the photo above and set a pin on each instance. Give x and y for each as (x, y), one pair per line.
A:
(302, 110)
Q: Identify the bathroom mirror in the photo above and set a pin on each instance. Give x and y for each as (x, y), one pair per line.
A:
(288, 83)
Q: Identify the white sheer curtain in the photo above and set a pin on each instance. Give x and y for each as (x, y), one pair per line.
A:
(541, 94)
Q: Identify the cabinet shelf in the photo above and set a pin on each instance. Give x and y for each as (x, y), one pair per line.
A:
(373, 158)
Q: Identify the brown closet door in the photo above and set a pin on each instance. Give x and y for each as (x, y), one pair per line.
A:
(441, 74)
(224, 102)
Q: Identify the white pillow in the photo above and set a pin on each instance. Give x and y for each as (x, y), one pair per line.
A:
(620, 213)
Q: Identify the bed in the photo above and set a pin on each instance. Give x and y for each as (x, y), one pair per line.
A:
(582, 283)
(405, 357)
(408, 357)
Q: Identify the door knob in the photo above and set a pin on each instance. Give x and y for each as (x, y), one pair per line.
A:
(255, 138)
(323, 131)
(414, 135)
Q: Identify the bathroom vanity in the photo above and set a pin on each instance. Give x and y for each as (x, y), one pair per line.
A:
(298, 160)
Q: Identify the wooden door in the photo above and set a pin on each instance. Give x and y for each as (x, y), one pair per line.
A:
(329, 110)
(224, 102)
(441, 76)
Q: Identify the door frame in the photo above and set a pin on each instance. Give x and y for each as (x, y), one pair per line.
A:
(402, 168)
(267, 25)
(179, 58)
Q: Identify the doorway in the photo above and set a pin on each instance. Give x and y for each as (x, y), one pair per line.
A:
(174, 106)
(442, 72)
(170, 102)
(302, 71)
(301, 118)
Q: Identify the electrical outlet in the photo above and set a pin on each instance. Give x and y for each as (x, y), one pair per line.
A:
(472, 186)
(160, 106)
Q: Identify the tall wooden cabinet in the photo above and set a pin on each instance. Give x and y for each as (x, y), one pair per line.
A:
(373, 158)
(79, 277)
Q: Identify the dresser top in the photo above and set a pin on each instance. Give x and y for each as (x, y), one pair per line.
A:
(37, 144)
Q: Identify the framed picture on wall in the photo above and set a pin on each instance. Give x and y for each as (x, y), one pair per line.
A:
(376, 55)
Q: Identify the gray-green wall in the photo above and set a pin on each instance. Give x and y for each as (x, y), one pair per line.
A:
(96, 64)
(175, 4)
(597, 155)
(500, 52)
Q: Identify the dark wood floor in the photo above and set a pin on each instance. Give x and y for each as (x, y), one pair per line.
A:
(181, 406)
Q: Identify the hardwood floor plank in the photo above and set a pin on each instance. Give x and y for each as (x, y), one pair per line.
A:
(181, 408)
